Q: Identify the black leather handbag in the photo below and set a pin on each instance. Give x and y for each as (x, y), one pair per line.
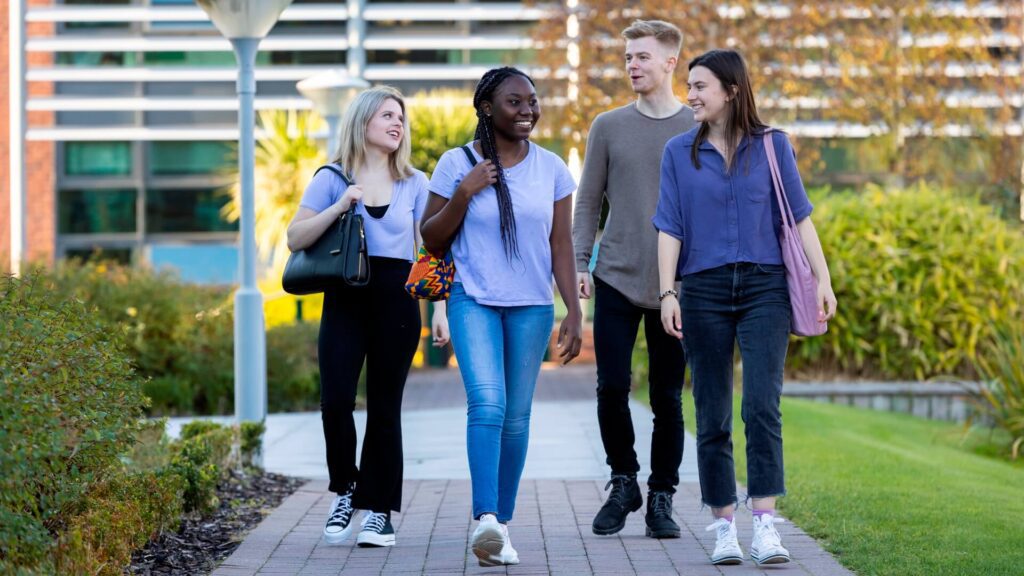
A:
(338, 258)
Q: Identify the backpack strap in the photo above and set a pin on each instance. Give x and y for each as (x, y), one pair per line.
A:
(469, 154)
(336, 168)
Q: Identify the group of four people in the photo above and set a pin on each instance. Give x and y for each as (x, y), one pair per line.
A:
(706, 275)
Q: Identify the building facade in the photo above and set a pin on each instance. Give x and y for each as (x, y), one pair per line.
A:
(132, 113)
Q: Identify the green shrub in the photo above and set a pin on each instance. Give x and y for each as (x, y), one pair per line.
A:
(921, 276)
(68, 406)
(119, 516)
(293, 375)
(251, 441)
(1002, 392)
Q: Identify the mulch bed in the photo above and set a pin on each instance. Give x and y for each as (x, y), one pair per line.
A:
(202, 543)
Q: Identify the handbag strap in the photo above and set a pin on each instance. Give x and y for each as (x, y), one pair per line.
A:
(336, 168)
(780, 191)
(469, 154)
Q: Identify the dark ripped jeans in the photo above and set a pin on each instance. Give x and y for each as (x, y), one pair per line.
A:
(748, 304)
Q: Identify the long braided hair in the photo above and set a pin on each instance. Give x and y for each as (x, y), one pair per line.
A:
(485, 134)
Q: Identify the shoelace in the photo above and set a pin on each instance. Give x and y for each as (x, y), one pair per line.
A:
(768, 534)
(374, 522)
(342, 509)
(618, 485)
(662, 504)
(722, 525)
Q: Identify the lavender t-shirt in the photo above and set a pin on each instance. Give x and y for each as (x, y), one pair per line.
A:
(481, 264)
(390, 236)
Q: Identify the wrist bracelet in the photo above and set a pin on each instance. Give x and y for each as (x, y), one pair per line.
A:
(667, 293)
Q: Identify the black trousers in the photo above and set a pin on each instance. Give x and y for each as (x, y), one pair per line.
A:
(616, 322)
(378, 323)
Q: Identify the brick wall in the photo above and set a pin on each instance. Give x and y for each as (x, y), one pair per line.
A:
(40, 201)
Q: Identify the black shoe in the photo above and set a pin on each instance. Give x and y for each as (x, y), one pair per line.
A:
(625, 498)
(659, 516)
(377, 531)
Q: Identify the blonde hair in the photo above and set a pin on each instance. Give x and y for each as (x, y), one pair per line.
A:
(352, 143)
(666, 33)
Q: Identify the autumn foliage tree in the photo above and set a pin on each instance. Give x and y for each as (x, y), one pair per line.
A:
(926, 85)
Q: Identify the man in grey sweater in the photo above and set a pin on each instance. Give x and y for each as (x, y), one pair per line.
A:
(623, 164)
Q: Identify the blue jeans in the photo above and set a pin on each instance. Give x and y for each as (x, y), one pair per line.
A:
(499, 350)
(747, 304)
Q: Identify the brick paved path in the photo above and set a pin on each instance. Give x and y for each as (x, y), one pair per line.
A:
(551, 529)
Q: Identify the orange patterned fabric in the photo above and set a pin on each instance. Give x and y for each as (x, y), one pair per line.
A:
(431, 276)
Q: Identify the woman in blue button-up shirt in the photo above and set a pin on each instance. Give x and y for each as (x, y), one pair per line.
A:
(718, 232)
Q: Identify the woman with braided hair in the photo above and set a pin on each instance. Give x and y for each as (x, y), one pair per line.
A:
(503, 206)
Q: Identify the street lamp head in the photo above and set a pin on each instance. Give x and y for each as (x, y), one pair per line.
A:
(243, 18)
(331, 91)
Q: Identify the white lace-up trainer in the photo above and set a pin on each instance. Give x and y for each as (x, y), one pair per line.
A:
(490, 542)
(727, 546)
(767, 546)
(339, 519)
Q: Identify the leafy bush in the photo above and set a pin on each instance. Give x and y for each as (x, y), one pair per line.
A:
(180, 338)
(439, 120)
(922, 277)
(69, 402)
(1002, 393)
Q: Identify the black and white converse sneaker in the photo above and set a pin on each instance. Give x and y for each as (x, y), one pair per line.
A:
(339, 520)
(377, 530)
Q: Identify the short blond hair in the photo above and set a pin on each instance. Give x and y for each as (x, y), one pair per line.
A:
(352, 142)
(667, 34)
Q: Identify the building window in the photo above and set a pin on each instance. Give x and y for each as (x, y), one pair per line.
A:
(96, 211)
(204, 263)
(113, 59)
(191, 158)
(170, 211)
(97, 158)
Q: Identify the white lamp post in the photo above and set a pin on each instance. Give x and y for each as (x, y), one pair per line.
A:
(331, 92)
(245, 23)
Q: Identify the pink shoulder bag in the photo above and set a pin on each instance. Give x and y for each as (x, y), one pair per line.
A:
(803, 286)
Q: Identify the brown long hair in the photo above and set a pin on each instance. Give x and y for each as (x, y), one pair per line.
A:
(742, 119)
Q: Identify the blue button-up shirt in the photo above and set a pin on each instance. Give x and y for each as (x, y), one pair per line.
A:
(725, 217)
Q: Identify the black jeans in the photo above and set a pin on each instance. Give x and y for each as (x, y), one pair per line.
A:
(745, 303)
(380, 323)
(616, 321)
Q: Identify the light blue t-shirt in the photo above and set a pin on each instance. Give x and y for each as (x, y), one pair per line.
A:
(391, 235)
(481, 264)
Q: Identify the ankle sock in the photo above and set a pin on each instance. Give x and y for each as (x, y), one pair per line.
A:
(760, 513)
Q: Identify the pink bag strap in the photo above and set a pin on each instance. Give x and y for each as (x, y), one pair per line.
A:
(780, 192)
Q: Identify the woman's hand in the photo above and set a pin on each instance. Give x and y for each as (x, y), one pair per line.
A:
(353, 194)
(671, 317)
(570, 337)
(826, 302)
(481, 176)
(439, 327)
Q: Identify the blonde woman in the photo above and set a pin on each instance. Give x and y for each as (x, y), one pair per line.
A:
(378, 323)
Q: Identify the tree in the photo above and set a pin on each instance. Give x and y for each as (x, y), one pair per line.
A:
(912, 74)
(286, 157)
(438, 121)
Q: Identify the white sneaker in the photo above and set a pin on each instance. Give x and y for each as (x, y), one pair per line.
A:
(767, 546)
(490, 543)
(727, 546)
(339, 519)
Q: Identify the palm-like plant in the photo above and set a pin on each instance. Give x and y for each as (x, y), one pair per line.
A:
(438, 121)
(286, 157)
(1001, 394)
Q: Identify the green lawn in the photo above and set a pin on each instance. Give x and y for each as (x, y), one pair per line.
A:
(893, 494)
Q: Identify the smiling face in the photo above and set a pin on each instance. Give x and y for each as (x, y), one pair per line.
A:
(514, 108)
(708, 98)
(387, 127)
(649, 64)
